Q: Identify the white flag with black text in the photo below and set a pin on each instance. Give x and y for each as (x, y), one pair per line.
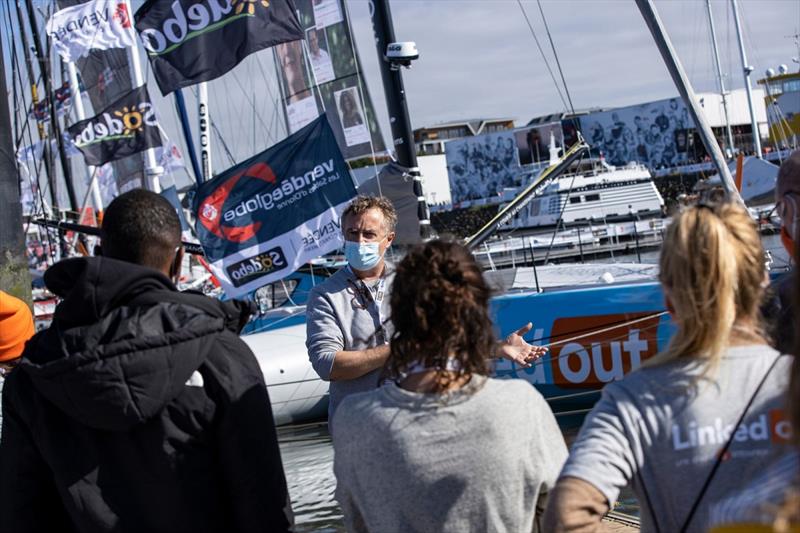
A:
(95, 25)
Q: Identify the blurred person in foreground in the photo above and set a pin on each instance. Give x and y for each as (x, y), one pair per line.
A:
(770, 501)
(787, 206)
(139, 408)
(444, 447)
(685, 428)
(16, 327)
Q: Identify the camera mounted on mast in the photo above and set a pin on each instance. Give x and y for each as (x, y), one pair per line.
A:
(401, 54)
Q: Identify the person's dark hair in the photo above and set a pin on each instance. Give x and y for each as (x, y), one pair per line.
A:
(440, 310)
(141, 227)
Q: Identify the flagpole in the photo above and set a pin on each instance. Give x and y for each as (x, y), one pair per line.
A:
(205, 138)
(44, 69)
(77, 101)
(152, 170)
(51, 184)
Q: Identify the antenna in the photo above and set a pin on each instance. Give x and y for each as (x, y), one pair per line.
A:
(796, 38)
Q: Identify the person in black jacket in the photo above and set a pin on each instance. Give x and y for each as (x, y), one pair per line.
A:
(139, 409)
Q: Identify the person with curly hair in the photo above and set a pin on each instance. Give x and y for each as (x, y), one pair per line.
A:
(444, 447)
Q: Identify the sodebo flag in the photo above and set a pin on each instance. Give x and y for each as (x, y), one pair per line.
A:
(264, 218)
(97, 24)
(189, 41)
(124, 128)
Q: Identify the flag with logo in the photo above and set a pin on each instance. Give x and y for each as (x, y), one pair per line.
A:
(189, 41)
(125, 127)
(262, 219)
(94, 25)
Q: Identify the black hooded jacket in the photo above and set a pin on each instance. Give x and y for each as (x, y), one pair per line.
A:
(138, 410)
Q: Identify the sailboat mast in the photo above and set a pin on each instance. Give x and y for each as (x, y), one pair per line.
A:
(44, 68)
(402, 134)
(731, 146)
(180, 105)
(681, 81)
(747, 69)
(34, 102)
(14, 277)
(152, 170)
(205, 139)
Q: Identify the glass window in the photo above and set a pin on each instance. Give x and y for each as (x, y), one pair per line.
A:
(574, 199)
(791, 86)
(592, 197)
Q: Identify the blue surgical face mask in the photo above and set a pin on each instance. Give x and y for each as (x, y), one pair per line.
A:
(362, 255)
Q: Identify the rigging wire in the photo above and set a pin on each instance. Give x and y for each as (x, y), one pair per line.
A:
(555, 55)
(544, 57)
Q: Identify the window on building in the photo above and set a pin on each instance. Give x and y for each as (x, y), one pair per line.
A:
(592, 197)
(791, 86)
(574, 199)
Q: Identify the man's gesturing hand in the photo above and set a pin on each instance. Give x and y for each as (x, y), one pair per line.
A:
(516, 349)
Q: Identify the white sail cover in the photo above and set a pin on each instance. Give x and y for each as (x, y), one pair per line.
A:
(95, 25)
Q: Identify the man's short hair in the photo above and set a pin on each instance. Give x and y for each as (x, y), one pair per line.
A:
(141, 227)
(363, 203)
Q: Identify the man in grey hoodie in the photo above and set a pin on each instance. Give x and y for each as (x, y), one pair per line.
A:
(348, 325)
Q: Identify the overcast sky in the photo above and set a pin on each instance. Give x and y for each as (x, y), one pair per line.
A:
(478, 59)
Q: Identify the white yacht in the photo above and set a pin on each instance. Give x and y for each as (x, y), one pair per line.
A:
(605, 194)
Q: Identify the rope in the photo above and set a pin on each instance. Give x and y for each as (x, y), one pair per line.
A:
(608, 328)
(544, 58)
(555, 54)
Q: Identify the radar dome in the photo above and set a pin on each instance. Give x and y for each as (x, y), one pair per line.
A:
(783, 69)
(770, 72)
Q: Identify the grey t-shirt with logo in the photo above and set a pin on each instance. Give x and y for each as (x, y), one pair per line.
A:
(661, 428)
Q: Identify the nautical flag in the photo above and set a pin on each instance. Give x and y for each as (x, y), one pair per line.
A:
(97, 24)
(169, 157)
(171, 194)
(34, 152)
(190, 41)
(30, 153)
(107, 183)
(262, 219)
(125, 127)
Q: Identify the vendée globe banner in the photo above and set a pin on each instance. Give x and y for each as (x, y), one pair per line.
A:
(125, 127)
(189, 41)
(262, 219)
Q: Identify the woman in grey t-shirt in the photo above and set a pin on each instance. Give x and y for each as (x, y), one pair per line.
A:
(662, 428)
(443, 447)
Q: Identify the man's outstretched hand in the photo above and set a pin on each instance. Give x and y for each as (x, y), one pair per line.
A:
(516, 349)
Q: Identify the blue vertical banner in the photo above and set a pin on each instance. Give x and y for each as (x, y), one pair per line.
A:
(262, 219)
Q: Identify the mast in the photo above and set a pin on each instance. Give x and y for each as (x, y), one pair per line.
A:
(205, 139)
(34, 101)
(681, 81)
(402, 134)
(14, 277)
(719, 77)
(44, 68)
(747, 69)
(152, 170)
(180, 105)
